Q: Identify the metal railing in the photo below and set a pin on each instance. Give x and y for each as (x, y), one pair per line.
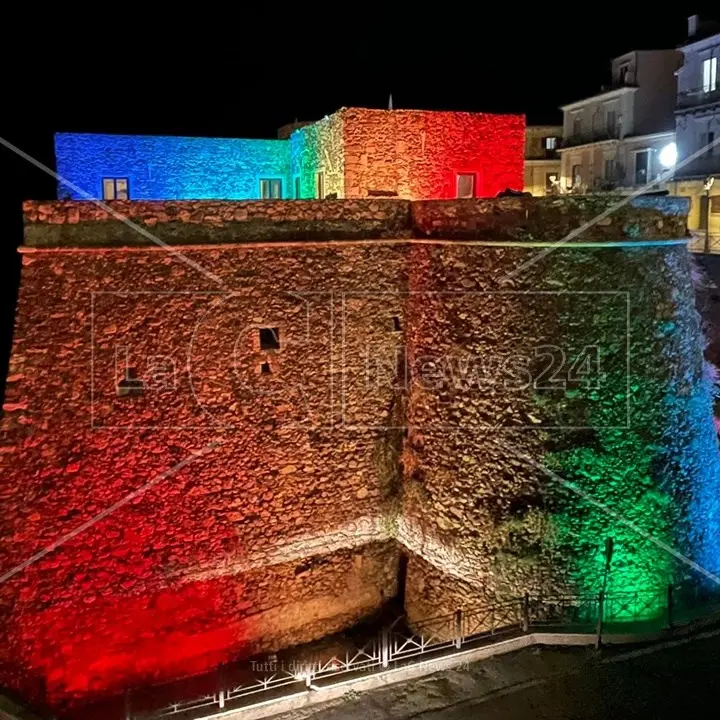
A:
(482, 625)
(591, 136)
(701, 166)
(697, 97)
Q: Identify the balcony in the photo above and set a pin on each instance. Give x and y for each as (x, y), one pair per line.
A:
(544, 155)
(591, 137)
(629, 81)
(701, 167)
(697, 98)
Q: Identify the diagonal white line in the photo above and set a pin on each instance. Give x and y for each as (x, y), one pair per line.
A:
(667, 175)
(108, 511)
(609, 511)
(118, 216)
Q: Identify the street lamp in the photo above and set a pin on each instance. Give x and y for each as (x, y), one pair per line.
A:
(668, 155)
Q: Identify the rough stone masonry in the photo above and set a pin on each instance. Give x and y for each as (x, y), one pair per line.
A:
(350, 388)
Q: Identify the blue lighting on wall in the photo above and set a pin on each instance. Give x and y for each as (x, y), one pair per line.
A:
(172, 168)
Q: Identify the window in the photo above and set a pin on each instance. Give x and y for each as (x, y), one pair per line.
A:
(710, 74)
(466, 185)
(297, 188)
(320, 185)
(271, 189)
(131, 384)
(611, 119)
(115, 189)
(550, 143)
(706, 141)
(265, 368)
(551, 180)
(715, 204)
(609, 169)
(269, 338)
(623, 74)
(577, 125)
(642, 167)
(576, 175)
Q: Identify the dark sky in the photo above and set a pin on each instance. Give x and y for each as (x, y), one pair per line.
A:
(244, 76)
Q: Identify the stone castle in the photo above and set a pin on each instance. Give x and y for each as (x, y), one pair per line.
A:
(289, 413)
(233, 426)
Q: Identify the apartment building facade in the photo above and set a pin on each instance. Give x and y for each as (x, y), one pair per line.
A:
(697, 115)
(542, 159)
(622, 138)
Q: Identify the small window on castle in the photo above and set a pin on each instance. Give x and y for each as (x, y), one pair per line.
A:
(550, 143)
(271, 189)
(131, 384)
(269, 338)
(466, 185)
(265, 368)
(320, 185)
(297, 188)
(397, 327)
(115, 189)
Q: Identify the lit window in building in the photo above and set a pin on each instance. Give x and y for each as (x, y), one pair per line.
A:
(710, 74)
(466, 185)
(320, 185)
(271, 189)
(550, 143)
(551, 180)
(115, 189)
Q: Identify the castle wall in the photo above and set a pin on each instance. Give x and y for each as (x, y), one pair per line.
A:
(556, 413)
(422, 396)
(274, 537)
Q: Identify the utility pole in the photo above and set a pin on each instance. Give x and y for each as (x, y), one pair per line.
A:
(602, 597)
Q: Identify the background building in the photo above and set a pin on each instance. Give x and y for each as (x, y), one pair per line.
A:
(353, 153)
(612, 141)
(542, 160)
(698, 127)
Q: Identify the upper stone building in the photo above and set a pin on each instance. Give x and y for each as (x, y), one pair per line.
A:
(353, 153)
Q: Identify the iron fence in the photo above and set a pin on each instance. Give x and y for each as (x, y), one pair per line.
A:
(395, 644)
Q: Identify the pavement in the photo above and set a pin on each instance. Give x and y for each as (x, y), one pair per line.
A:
(676, 679)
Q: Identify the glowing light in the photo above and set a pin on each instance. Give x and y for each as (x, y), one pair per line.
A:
(668, 155)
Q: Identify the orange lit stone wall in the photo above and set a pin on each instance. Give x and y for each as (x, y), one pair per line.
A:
(417, 155)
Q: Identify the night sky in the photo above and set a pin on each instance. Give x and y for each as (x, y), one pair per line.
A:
(244, 76)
